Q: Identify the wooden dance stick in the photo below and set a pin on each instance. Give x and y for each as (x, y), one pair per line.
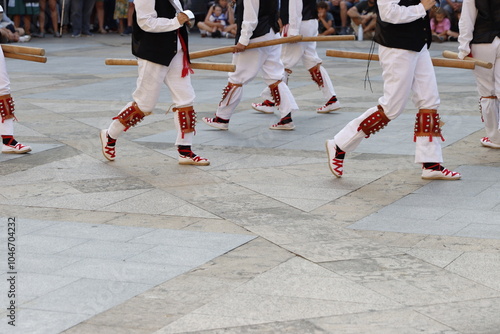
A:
(442, 62)
(27, 50)
(230, 49)
(21, 56)
(198, 66)
(329, 38)
(454, 55)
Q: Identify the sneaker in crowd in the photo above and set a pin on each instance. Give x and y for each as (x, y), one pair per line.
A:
(15, 149)
(193, 160)
(127, 31)
(266, 107)
(25, 39)
(214, 123)
(328, 108)
(485, 141)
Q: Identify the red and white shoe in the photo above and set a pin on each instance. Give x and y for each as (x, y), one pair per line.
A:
(212, 122)
(328, 108)
(445, 174)
(15, 149)
(336, 165)
(281, 126)
(196, 160)
(485, 141)
(266, 107)
(107, 151)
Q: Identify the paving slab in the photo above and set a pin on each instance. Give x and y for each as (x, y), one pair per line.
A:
(265, 239)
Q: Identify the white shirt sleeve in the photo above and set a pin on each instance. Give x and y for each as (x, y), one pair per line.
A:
(250, 20)
(294, 17)
(466, 27)
(148, 20)
(391, 12)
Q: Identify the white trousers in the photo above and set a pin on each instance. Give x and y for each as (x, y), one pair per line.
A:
(292, 53)
(403, 72)
(7, 126)
(248, 64)
(488, 84)
(149, 82)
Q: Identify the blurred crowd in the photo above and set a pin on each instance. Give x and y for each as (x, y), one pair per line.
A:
(336, 17)
(22, 20)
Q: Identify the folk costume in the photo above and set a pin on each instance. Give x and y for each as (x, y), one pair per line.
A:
(300, 17)
(9, 144)
(160, 43)
(403, 32)
(257, 21)
(479, 28)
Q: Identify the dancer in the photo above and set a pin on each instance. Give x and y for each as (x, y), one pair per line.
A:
(257, 21)
(403, 32)
(9, 144)
(300, 17)
(159, 40)
(479, 28)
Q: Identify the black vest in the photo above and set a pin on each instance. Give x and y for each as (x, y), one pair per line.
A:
(267, 16)
(161, 47)
(309, 11)
(408, 36)
(487, 25)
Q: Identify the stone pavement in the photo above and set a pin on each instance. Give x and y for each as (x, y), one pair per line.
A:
(265, 239)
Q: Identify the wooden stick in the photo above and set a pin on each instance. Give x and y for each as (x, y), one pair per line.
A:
(21, 56)
(329, 38)
(230, 49)
(27, 50)
(214, 67)
(116, 61)
(454, 55)
(199, 66)
(465, 64)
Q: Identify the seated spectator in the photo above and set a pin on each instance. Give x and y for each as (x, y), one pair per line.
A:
(325, 20)
(8, 32)
(25, 9)
(453, 33)
(451, 6)
(339, 9)
(364, 13)
(440, 24)
(210, 25)
(219, 20)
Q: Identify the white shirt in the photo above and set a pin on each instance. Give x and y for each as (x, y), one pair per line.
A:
(391, 12)
(294, 16)
(148, 20)
(250, 20)
(466, 27)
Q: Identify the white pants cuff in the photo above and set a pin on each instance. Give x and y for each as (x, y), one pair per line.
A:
(7, 127)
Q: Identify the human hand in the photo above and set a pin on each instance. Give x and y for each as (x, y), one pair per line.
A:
(239, 48)
(428, 4)
(182, 18)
